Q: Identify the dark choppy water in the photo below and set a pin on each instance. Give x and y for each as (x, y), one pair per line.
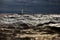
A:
(30, 6)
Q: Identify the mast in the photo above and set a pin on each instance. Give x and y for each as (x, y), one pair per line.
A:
(22, 11)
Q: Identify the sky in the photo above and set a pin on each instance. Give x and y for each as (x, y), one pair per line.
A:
(30, 6)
